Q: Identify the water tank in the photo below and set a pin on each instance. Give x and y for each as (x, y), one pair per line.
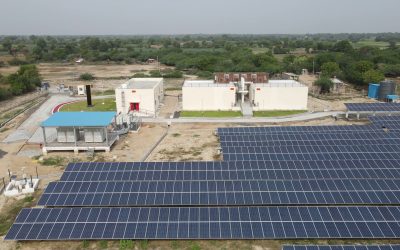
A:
(386, 88)
(373, 90)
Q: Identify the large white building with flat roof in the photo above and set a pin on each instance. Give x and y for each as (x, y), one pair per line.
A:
(278, 95)
(243, 91)
(141, 96)
(207, 95)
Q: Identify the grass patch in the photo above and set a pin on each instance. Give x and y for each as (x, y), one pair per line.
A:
(211, 114)
(277, 113)
(176, 135)
(173, 88)
(126, 244)
(109, 105)
(144, 244)
(53, 161)
(10, 212)
(103, 244)
(85, 244)
(105, 92)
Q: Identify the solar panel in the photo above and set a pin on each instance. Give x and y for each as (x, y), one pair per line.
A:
(225, 166)
(300, 156)
(213, 193)
(239, 174)
(313, 149)
(325, 137)
(374, 107)
(250, 170)
(295, 129)
(356, 136)
(206, 223)
(384, 118)
(390, 125)
(341, 247)
(309, 143)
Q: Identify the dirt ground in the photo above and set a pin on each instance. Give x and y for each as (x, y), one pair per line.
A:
(61, 71)
(170, 103)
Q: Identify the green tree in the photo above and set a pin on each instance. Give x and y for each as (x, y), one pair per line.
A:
(372, 76)
(26, 79)
(7, 45)
(343, 46)
(325, 83)
(330, 69)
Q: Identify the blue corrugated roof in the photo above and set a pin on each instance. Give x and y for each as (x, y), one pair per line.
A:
(79, 119)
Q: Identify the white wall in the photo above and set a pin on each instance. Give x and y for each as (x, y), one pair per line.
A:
(149, 99)
(208, 98)
(279, 98)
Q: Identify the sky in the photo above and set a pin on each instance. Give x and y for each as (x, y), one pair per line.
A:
(133, 17)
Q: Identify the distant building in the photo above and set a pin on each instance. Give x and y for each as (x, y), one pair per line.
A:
(290, 76)
(243, 91)
(140, 96)
(81, 90)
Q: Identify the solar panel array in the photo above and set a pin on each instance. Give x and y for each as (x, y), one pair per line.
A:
(214, 193)
(373, 107)
(206, 223)
(274, 183)
(341, 247)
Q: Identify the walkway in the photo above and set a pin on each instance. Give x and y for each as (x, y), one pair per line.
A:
(301, 117)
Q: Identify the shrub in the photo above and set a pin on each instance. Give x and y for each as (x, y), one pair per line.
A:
(325, 84)
(173, 74)
(4, 94)
(17, 62)
(86, 77)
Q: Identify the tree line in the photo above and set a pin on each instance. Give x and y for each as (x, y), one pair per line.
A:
(330, 54)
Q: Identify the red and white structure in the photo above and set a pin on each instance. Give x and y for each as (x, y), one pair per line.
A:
(140, 96)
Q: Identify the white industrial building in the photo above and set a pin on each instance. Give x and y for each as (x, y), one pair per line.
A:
(278, 95)
(243, 91)
(207, 95)
(140, 96)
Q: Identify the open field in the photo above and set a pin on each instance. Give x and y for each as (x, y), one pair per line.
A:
(64, 71)
(372, 43)
(211, 114)
(106, 104)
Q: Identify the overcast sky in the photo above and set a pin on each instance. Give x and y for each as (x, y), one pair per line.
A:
(132, 17)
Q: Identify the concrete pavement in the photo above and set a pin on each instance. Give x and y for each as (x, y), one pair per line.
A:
(301, 117)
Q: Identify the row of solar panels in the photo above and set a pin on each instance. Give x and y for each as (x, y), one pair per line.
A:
(341, 247)
(207, 193)
(373, 107)
(206, 223)
(376, 126)
(160, 167)
(260, 173)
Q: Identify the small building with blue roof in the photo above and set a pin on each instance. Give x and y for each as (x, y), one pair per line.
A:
(79, 131)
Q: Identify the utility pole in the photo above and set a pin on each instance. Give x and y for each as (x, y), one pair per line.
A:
(313, 66)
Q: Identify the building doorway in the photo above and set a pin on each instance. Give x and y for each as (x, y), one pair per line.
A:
(134, 106)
